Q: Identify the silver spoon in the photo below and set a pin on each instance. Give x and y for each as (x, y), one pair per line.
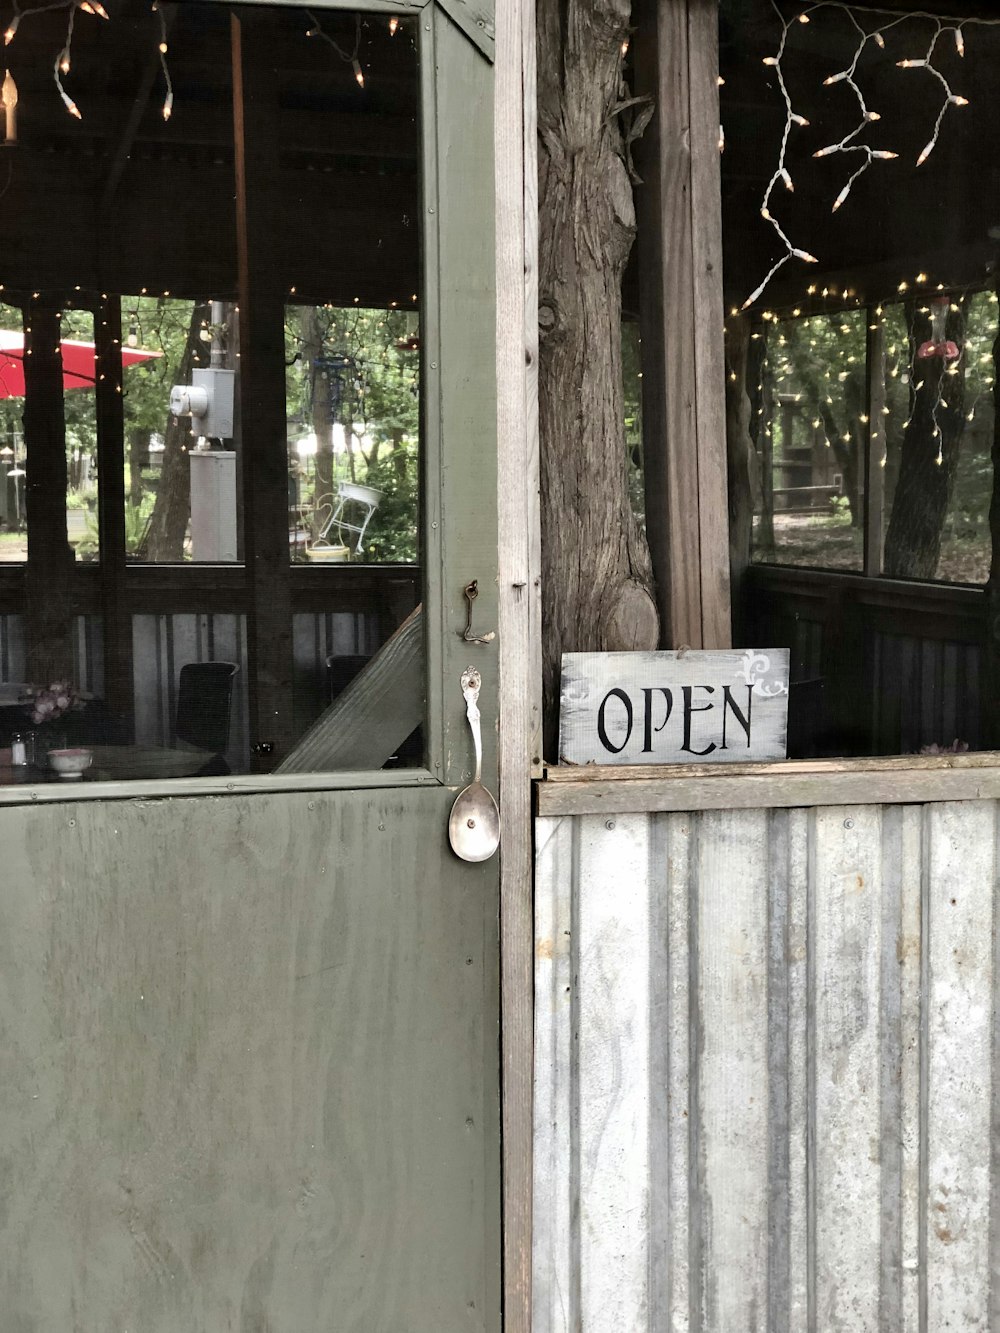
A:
(474, 825)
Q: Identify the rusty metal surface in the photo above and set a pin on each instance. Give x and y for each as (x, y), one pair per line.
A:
(765, 1043)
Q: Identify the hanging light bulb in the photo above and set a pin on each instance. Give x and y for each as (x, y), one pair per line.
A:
(358, 72)
(64, 62)
(393, 26)
(11, 29)
(8, 96)
(133, 332)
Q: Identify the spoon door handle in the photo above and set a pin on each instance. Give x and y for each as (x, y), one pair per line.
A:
(471, 685)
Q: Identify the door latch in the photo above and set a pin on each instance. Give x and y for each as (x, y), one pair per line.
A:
(471, 593)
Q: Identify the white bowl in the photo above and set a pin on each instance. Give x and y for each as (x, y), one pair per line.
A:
(70, 764)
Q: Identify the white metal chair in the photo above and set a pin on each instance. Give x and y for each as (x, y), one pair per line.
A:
(350, 515)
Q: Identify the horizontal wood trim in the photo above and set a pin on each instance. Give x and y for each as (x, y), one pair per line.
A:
(248, 785)
(867, 591)
(222, 589)
(920, 610)
(903, 781)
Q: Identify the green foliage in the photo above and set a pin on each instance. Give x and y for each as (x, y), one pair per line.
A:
(379, 408)
(136, 527)
(632, 391)
(392, 535)
(815, 375)
(375, 398)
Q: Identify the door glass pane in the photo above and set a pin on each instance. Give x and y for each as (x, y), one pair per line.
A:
(178, 506)
(939, 435)
(353, 401)
(808, 424)
(213, 221)
(856, 202)
(82, 370)
(79, 369)
(13, 520)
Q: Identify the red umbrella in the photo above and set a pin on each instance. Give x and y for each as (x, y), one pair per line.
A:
(79, 363)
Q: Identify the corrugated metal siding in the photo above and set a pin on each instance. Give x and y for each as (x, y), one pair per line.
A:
(764, 1052)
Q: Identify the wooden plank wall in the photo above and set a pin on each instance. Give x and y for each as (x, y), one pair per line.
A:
(317, 636)
(161, 645)
(900, 666)
(87, 648)
(766, 1042)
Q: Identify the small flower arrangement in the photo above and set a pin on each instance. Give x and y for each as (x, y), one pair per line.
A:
(49, 702)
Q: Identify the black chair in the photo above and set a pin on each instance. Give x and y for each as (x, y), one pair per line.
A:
(204, 704)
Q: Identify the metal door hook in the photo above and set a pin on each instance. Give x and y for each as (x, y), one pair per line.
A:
(471, 593)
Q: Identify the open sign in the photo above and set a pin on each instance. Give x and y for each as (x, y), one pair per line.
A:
(674, 708)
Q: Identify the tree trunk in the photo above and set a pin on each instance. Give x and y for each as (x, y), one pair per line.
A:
(322, 420)
(138, 448)
(848, 453)
(929, 463)
(596, 573)
(172, 510)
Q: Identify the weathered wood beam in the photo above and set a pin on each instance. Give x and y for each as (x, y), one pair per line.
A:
(369, 721)
(875, 399)
(130, 129)
(117, 618)
(263, 448)
(681, 314)
(520, 741)
(50, 569)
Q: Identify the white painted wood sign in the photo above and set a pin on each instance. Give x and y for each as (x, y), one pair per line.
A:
(683, 707)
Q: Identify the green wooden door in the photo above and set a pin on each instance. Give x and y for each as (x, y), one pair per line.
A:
(249, 1028)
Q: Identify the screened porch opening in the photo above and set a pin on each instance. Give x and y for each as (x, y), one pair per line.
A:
(861, 225)
(210, 389)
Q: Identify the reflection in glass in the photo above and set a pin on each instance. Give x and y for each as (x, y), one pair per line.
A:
(940, 412)
(166, 468)
(80, 369)
(260, 291)
(353, 405)
(808, 423)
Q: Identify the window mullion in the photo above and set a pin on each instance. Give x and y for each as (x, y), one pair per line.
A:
(874, 442)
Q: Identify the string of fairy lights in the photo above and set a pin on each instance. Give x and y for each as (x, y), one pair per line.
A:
(868, 35)
(63, 61)
(956, 372)
(972, 359)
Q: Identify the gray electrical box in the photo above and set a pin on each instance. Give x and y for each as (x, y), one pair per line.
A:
(213, 506)
(217, 423)
(208, 400)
